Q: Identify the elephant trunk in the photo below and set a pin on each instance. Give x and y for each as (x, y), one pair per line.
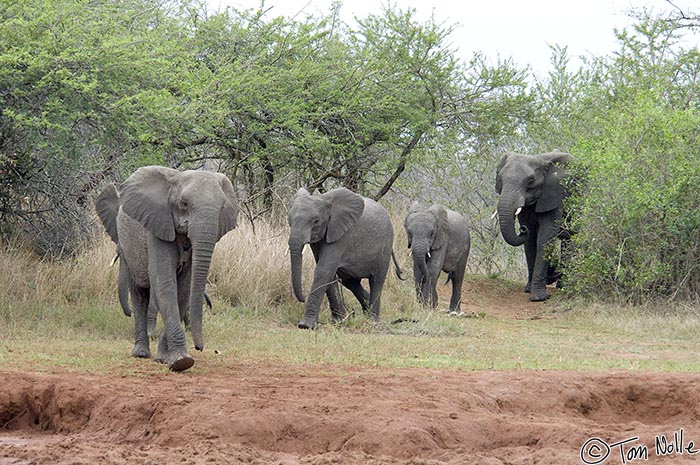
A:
(419, 250)
(202, 250)
(296, 245)
(508, 204)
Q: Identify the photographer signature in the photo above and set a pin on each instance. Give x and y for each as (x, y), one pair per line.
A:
(596, 451)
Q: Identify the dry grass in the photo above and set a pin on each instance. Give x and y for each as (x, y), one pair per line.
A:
(86, 278)
(251, 267)
(65, 313)
(250, 270)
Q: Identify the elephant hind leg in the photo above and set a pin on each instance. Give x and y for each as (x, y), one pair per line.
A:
(457, 280)
(335, 302)
(360, 293)
(376, 284)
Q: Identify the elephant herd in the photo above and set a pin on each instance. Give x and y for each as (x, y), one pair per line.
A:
(166, 223)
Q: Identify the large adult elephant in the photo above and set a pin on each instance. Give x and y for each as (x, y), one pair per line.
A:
(439, 240)
(351, 238)
(166, 224)
(530, 188)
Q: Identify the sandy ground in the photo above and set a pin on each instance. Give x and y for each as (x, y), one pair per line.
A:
(256, 413)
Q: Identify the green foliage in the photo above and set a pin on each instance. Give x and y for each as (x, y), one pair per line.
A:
(91, 90)
(634, 128)
(66, 68)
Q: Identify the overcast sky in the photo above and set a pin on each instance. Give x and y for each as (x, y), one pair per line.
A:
(521, 29)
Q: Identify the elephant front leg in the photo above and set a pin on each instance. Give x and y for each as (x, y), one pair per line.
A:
(323, 277)
(540, 273)
(140, 299)
(530, 247)
(547, 232)
(538, 291)
(162, 265)
(152, 317)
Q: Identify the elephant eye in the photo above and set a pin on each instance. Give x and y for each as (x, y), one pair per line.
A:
(184, 203)
(531, 181)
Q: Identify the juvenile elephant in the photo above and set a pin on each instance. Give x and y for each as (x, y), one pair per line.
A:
(439, 241)
(530, 188)
(166, 223)
(351, 237)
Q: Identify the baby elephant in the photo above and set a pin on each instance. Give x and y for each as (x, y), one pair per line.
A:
(439, 240)
(351, 238)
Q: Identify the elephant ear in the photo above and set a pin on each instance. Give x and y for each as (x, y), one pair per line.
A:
(415, 207)
(441, 233)
(228, 218)
(553, 193)
(501, 164)
(346, 210)
(144, 197)
(107, 207)
(300, 193)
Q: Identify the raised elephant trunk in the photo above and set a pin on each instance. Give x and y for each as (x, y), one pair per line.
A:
(202, 250)
(296, 245)
(508, 205)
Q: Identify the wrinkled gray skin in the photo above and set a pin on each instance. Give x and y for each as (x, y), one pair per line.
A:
(439, 241)
(166, 223)
(532, 183)
(351, 238)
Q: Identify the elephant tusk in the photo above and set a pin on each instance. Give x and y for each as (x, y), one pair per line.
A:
(518, 211)
(495, 212)
(429, 255)
(114, 260)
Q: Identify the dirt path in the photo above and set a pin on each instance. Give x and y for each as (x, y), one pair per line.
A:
(270, 414)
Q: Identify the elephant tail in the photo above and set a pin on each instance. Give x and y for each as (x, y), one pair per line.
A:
(399, 272)
(449, 277)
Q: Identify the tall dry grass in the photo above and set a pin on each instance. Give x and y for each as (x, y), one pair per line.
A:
(84, 278)
(250, 266)
(250, 271)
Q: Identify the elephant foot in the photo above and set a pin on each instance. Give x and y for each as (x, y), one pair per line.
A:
(306, 324)
(141, 351)
(539, 296)
(338, 315)
(527, 288)
(181, 363)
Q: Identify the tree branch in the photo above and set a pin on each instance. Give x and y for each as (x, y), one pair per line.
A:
(400, 167)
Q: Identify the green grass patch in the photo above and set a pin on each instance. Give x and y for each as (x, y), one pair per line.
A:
(99, 338)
